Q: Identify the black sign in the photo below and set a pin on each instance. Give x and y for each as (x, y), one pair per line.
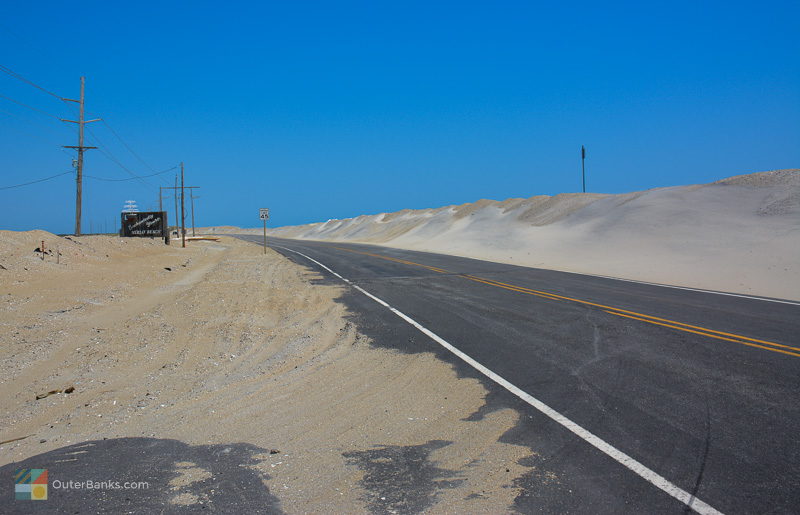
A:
(151, 224)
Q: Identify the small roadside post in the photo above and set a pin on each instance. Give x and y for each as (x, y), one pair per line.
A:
(263, 213)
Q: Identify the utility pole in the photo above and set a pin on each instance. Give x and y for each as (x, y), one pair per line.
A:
(80, 148)
(176, 188)
(183, 213)
(175, 191)
(192, 197)
(583, 167)
(161, 209)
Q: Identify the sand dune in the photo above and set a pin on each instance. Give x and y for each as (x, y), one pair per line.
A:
(740, 234)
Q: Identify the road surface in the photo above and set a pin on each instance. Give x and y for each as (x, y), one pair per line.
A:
(637, 397)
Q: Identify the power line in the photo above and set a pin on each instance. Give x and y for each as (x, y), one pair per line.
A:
(37, 136)
(29, 107)
(81, 148)
(130, 178)
(127, 146)
(116, 161)
(26, 81)
(34, 182)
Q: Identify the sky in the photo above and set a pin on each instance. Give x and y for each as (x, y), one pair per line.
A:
(321, 110)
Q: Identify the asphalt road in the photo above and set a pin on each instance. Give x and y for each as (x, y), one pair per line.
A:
(698, 387)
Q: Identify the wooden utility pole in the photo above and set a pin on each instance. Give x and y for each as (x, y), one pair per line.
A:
(80, 148)
(183, 213)
(175, 192)
(192, 197)
(161, 210)
(176, 188)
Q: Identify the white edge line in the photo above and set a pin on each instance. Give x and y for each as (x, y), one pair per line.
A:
(712, 292)
(639, 469)
(692, 289)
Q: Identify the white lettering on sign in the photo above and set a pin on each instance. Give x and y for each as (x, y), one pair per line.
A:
(149, 221)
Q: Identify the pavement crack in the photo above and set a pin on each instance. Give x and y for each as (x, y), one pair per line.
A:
(700, 472)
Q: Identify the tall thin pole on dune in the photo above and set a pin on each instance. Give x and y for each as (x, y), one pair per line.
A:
(583, 166)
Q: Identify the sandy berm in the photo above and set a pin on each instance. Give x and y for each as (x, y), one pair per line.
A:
(740, 234)
(220, 344)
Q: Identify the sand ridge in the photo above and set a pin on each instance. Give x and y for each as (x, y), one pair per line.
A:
(740, 234)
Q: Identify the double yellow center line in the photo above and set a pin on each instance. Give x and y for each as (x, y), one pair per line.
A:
(633, 315)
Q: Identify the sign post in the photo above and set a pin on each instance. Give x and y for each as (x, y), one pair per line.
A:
(263, 213)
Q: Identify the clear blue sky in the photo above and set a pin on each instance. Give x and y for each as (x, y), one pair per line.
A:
(333, 109)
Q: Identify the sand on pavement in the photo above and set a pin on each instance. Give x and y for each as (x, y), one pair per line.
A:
(220, 344)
